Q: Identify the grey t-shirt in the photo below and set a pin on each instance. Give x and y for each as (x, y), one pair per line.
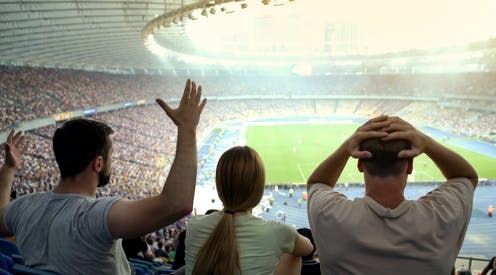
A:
(66, 233)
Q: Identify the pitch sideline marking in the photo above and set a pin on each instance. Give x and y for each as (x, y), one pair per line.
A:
(301, 172)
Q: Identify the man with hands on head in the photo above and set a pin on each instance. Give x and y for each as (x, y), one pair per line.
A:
(68, 230)
(383, 233)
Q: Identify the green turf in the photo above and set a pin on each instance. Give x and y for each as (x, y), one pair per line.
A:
(291, 152)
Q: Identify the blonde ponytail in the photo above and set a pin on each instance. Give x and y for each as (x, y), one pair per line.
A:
(219, 255)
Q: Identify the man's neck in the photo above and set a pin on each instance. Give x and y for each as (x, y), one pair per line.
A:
(79, 184)
(388, 192)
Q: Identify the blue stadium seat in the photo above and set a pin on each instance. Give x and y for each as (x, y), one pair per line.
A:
(134, 260)
(3, 264)
(6, 263)
(149, 265)
(140, 270)
(152, 267)
(18, 259)
(24, 270)
(143, 269)
(8, 248)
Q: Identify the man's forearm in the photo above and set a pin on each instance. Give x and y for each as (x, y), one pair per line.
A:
(181, 181)
(6, 179)
(451, 164)
(330, 169)
(288, 264)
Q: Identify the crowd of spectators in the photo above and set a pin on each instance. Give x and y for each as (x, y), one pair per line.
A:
(29, 93)
(459, 121)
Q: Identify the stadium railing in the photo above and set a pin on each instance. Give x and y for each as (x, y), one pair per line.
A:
(472, 262)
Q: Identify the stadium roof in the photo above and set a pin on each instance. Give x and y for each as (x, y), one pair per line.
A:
(109, 34)
(86, 34)
(95, 35)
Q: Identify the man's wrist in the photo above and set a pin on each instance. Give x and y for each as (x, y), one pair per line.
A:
(187, 128)
(7, 167)
(345, 148)
(428, 144)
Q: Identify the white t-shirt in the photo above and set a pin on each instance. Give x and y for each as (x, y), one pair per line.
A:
(260, 243)
(420, 236)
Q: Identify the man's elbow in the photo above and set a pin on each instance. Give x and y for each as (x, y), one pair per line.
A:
(183, 208)
(178, 204)
(474, 179)
(312, 180)
(186, 211)
(173, 210)
(173, 214)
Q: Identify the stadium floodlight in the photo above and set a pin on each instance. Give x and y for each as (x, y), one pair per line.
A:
(166, 22)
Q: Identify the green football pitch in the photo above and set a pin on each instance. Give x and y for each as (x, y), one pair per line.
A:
(291, 152)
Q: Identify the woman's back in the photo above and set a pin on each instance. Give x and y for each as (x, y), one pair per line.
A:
(260, 243)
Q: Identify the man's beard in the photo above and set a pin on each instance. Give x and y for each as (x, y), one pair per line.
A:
(103, 179)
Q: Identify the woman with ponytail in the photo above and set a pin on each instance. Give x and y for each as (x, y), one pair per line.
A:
(232, 241)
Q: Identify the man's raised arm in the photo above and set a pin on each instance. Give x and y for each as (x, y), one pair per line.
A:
(330, 169)
(12, 162)
(451, 164)
(135, 218)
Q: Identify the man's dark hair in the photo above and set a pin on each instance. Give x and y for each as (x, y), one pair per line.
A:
(384, 161)
(79, 141)
(306, 232)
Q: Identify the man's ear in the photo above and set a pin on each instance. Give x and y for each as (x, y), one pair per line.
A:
(98, 163)
(409, 167)
(360, 165)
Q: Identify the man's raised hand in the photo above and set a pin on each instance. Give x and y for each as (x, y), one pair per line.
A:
(400, 129)
(190, 107)
(371, 129)
(13, 146)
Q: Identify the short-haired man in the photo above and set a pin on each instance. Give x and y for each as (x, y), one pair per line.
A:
(68, 230)
(383, 233)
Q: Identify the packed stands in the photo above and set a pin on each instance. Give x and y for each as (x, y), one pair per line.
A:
(29, 93)
(140, 155)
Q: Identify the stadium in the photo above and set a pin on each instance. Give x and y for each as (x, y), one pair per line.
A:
(293, 79)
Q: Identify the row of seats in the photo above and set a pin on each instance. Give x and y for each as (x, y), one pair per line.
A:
(149, 268)
(11, 262)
